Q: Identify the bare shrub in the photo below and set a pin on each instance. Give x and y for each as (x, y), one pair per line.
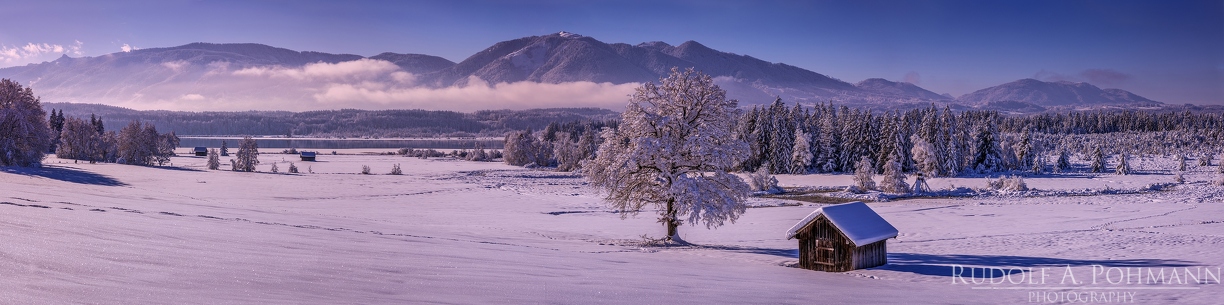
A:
(365, 170)
(395, 170)
(292, 168)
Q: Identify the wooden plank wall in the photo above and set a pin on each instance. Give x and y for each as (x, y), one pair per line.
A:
(822, 247)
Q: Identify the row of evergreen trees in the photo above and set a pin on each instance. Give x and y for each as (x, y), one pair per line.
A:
(830, 139)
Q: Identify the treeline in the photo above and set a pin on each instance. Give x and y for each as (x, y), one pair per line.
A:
(343, 123)
(562, 145)
(795, 139)
(942, 142)
(137, 144)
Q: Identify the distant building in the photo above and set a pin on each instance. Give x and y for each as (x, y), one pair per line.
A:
(842, 237)
(201, 151)
(308, 156)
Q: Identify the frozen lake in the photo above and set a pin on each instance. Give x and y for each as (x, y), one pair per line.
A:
(330, 143)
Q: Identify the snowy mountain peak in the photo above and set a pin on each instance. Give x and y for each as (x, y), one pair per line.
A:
(654, 45)
(569, 35)
(1057, 93)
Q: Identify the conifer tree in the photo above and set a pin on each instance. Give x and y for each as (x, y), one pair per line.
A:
(1123, 167)
(214, 160)
(1064, 162)
(248, 155)
(830, 142)
(782, 139)
(986, 151)
(1024, 150)
(1098, 160)
(801, 156)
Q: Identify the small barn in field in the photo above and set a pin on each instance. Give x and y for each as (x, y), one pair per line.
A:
(201, 151)
(308, 156)
(842, 237)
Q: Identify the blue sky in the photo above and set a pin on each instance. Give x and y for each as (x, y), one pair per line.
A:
(1170, 51)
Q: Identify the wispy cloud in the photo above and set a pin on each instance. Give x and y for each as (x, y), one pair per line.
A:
(351, 70)
(32, 52)
(479, 94)
(364, 83)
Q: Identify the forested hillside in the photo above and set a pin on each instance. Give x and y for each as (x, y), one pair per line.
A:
(338, 123)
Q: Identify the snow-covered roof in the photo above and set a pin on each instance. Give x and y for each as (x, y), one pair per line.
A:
(855, 219)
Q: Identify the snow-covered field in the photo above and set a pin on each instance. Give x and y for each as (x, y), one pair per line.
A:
(472, 232)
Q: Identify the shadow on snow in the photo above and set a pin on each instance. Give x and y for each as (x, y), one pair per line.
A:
(941, 265)
(64, 174)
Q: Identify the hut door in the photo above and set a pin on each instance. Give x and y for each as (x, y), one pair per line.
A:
(825, 253)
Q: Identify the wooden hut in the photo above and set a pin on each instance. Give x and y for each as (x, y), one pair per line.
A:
(308, 156)
(201, 151)
(842, 237)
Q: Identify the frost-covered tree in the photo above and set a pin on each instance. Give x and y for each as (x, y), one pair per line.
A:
(248, 155)
(894, 177)
(275, 169)
(801, 155)
(864, 174)
(57, 128)
(293, 168)
(1123, 167)
(519, 148)
(569, 154)
(25, 134)
(1181, 161)
(1024, 150)
(1206, 159)
(1064, 162)
(830, 142)
(1039, 164)
(78, 141)
(782, 139)
(986, 151)
(395, 170)
(214, 160)
(925, 158)
(1098, 160)
(166, 143)
(673, 150)
(224, 149)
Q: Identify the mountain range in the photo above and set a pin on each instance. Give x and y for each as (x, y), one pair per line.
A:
(213, 73)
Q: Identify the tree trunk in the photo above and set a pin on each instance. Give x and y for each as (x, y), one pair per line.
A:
(670, 220)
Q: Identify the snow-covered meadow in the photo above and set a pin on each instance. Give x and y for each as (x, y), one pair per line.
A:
(479, 232)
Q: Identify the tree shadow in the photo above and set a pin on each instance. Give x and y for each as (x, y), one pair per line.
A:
(791, 253)
(65, 174)
(941, 265)
(176, 168)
